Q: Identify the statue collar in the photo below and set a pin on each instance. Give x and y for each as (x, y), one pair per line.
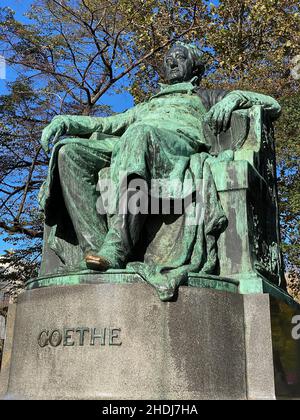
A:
(183, 87)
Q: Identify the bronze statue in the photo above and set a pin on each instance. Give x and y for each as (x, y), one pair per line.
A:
(162, 139)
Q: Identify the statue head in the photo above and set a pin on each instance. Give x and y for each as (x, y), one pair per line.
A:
(182, 62)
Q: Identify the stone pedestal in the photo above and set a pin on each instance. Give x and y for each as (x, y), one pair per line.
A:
(119, 341)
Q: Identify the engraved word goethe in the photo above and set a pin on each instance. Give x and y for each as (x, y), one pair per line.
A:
(80, 336)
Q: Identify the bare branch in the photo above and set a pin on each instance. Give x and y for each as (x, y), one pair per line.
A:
(138, 62)
(27, 184)
(18, 228)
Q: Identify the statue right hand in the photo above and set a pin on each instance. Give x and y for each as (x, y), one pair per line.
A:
(55, 129)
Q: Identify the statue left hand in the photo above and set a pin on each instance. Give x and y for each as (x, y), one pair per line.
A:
(54, 130)
(218, 117)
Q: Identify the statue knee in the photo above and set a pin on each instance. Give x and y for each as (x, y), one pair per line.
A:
(67, 159)
(67, 152)
(137, 134)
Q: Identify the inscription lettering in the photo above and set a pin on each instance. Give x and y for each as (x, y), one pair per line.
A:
(68, 337)
(81, 331)
(100, 336)
(80, 336)
(114, 336)
(55, 338)
(43, 338)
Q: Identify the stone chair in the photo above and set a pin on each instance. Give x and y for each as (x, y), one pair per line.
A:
(249, 248)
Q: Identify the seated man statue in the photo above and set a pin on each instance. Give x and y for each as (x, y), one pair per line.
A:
(159, 140)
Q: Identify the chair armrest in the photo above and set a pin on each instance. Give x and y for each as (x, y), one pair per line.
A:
(233, 138)
(251, 138)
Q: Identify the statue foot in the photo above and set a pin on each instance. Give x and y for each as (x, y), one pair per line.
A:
(96, 262)
(165, 294)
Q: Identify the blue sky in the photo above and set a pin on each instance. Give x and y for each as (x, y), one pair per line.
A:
(20, 8)
(118, 102)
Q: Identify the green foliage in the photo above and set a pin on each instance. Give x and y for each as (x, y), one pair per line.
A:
(288, 151)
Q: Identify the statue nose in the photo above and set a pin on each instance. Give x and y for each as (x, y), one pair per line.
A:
(173, 64)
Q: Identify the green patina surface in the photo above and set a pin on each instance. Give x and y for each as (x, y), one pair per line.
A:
(166, 139)
(85, 277)
(213, 282)
(259, 285)
(122, 277)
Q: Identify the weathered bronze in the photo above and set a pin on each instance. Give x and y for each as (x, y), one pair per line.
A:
(190, 142)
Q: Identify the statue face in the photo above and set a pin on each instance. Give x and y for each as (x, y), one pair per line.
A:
(178, 65)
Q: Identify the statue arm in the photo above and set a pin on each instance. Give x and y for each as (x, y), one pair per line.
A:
(114, 125)
(77, 125)
(245, 100)
(219, 115)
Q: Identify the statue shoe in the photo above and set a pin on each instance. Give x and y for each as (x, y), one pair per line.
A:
(97, 263)
(166, 295)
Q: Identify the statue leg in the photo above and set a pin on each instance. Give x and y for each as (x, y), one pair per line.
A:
(123, 233)
(78, 167)
(137, 158)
